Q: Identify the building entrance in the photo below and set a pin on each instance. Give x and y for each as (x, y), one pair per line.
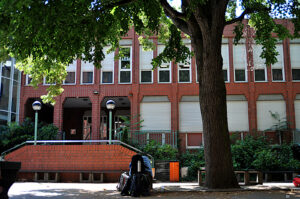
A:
(122, 109)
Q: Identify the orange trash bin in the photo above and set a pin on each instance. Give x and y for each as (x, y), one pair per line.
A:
(174, 171)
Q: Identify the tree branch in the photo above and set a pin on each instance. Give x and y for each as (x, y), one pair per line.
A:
(240, 18)
(172, 12)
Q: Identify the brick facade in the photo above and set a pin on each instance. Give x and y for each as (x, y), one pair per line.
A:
(174, 90)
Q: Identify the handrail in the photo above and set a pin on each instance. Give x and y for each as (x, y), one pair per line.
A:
(76, 141)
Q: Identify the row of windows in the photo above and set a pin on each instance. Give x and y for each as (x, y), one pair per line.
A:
(240, 64)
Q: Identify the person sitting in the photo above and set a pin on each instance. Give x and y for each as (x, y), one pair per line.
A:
(140, 177)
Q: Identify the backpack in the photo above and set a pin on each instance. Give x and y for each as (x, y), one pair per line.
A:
(140, 185)
(122, 181)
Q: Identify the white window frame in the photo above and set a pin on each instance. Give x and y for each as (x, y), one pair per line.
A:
(85, 70)
(165, 69)
(144, 69)
(121, 70)
(64, 83)
(186, 67)
(107, 70)
(26, 80)
(295, 42)
(259, 63)
(245, 60)
(282, 63)
(226, 67)
(47, 84)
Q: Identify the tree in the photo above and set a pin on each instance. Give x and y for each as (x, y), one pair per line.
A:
(45, 35)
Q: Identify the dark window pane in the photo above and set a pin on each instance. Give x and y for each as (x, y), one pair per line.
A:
(14, 97)
(4, 93)
(87, 77)
(70, 79)
(124, 76)
(107, 77)
(28, 80)
(6, 70)
(225, 76)
(240, 75)
(3, 118)
(277, 74)
(260, 75)
(184, 76)
(146, 76)
(16, 74)
(164, 76)
(13, 117)
(125, 64)
(296, 74)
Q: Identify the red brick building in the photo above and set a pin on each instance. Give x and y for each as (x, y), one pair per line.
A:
(166, 98)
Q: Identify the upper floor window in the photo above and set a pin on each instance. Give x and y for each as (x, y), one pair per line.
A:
(184, 70)
(295, 59)
(146, 72)
(225, 56)
(71, 73)
(240, 62)
(87, 72)
(278, 67)
(164, 71)
(107, 70)
(260, 74)
(27, 80)
(125, 65)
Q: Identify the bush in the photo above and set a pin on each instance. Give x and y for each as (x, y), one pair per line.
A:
(193, 161)
(14, 134)
(258, 154)
(160, 152)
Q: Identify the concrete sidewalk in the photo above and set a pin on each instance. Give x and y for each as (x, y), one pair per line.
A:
(26, 190)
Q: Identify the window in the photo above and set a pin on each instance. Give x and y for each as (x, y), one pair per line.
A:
(295, 59)
(164, 71)
(47, 81)
(125, 65)
(28, 80)
(184, 70)
(146, 71)
(225, 56)
(239, 63)
(71, 73)
(277, 68)
(87, 72)
(259, 65)
(107, 70)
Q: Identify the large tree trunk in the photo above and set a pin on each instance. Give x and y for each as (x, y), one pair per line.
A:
(212, 97)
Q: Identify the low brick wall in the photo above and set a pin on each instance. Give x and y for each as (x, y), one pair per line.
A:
(68, 158)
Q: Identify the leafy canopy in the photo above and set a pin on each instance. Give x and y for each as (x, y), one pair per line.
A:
(47, 35)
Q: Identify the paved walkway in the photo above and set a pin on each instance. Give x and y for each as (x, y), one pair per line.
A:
(162, 190)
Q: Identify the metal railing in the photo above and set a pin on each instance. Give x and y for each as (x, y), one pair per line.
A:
(66, 142)
(143, 137)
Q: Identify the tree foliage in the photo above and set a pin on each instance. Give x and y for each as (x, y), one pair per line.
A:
(46, 35)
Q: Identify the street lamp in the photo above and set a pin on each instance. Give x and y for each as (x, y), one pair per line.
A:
(36, 106)
(110, 105)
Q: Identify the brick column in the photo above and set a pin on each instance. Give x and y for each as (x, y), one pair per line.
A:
(58, 113)
(95, 117)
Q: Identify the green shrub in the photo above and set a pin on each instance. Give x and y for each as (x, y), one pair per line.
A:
(160, 152)
(192, 160)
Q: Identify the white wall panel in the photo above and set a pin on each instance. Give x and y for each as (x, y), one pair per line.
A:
(264, 118)
(237, 114)
(156, 115)
(190, 119)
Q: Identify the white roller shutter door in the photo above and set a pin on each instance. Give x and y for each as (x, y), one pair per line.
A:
(190, 119)
(237, 114)
(156, 115)
(297, 113)
(264, 118)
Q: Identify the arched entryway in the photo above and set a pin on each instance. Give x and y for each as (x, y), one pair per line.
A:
(77, 114)
(122, 108)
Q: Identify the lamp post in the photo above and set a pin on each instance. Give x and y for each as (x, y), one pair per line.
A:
(36, 106)
(110, 105)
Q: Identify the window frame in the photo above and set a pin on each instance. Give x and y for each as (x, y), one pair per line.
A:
(125, 70)
(85, 70)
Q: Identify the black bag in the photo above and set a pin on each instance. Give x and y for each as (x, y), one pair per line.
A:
(140, 185)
